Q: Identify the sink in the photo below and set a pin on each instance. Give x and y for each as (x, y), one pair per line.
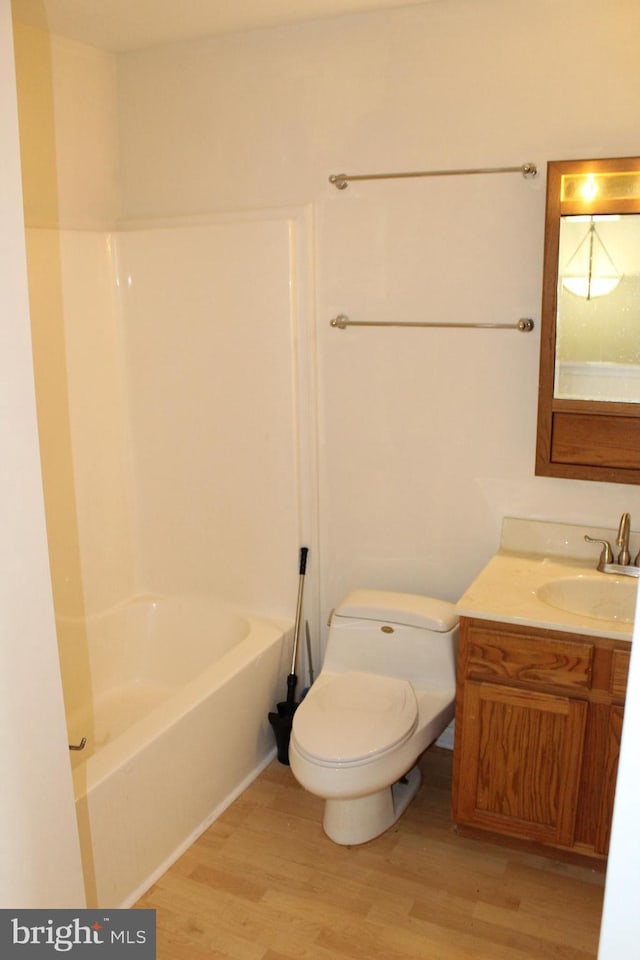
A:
(599, 596)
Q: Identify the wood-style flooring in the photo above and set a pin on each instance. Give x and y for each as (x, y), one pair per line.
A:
(265, 883)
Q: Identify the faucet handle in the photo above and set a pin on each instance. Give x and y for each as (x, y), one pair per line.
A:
(622, 540)
(606, 555)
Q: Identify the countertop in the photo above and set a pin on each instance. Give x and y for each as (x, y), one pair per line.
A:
(506, 591)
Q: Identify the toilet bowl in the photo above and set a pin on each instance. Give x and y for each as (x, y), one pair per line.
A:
(386, 691)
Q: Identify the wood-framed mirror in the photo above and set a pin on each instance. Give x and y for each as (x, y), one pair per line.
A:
(589, 388)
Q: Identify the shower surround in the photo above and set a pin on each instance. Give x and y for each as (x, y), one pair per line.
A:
(168, 371)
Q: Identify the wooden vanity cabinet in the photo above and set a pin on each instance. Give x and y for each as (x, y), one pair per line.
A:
(538, 721)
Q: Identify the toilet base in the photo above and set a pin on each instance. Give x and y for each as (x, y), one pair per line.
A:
(350, 822)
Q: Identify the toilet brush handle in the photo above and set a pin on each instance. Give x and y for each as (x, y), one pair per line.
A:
(296, 633)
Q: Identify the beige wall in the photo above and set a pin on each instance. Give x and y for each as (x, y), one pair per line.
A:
(424, 444)
(40, 863)
(68, 129)
(265, 116)
(426, 438)
(166, 384)
(262, 119)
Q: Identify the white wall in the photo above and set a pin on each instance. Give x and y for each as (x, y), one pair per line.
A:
(426, 438)
(40, 863)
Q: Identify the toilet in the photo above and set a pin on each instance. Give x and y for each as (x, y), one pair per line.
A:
(386, 691)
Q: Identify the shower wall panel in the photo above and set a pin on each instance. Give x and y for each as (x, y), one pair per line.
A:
(210, 329)
(81, 417)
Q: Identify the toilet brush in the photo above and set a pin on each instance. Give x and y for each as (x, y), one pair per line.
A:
(282, 721)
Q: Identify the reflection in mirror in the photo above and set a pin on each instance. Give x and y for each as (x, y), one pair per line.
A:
(589, 389)
(598, 308)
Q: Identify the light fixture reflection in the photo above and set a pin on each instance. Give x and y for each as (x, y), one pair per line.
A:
(589, 188)
(590, 271)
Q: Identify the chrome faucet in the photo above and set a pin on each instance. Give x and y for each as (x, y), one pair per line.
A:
(622, 540)
(623, 567)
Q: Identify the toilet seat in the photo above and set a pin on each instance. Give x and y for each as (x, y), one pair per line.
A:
(352, 718)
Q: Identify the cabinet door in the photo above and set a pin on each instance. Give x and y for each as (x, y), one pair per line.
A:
(519, 762)
(609, 775)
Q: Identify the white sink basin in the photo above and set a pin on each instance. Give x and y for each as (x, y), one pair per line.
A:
(601, 596)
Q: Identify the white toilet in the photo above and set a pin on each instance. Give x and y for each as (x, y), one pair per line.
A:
(386, 691)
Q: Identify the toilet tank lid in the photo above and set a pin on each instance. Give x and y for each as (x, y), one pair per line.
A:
(409, 609)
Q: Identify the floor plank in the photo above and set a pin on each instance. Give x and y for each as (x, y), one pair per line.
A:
(265, 883)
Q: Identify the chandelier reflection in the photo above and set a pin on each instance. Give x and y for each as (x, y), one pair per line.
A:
(590, 271)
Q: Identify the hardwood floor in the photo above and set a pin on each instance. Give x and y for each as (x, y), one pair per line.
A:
(265, 883)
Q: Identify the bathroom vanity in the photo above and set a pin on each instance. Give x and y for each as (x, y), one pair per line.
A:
(541, 691)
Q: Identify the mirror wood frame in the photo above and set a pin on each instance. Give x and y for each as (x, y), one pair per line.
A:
(581, 439)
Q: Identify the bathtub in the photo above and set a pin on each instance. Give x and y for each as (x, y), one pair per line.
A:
(172, 695)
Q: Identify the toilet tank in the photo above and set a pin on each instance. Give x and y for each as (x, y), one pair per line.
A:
(397, 635)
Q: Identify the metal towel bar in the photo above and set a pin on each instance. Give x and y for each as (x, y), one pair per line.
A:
(525, 325)
(341, 180)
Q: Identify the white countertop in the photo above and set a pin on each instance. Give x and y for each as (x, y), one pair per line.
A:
(506, 589)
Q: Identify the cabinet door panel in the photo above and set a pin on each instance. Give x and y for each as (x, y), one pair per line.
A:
(619, 673)
(520, 762)
(609, 776)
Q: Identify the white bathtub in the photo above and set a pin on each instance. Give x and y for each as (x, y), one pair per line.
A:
(172, 695)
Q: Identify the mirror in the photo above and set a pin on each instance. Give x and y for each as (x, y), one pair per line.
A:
(589, 392)
(598, 313)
